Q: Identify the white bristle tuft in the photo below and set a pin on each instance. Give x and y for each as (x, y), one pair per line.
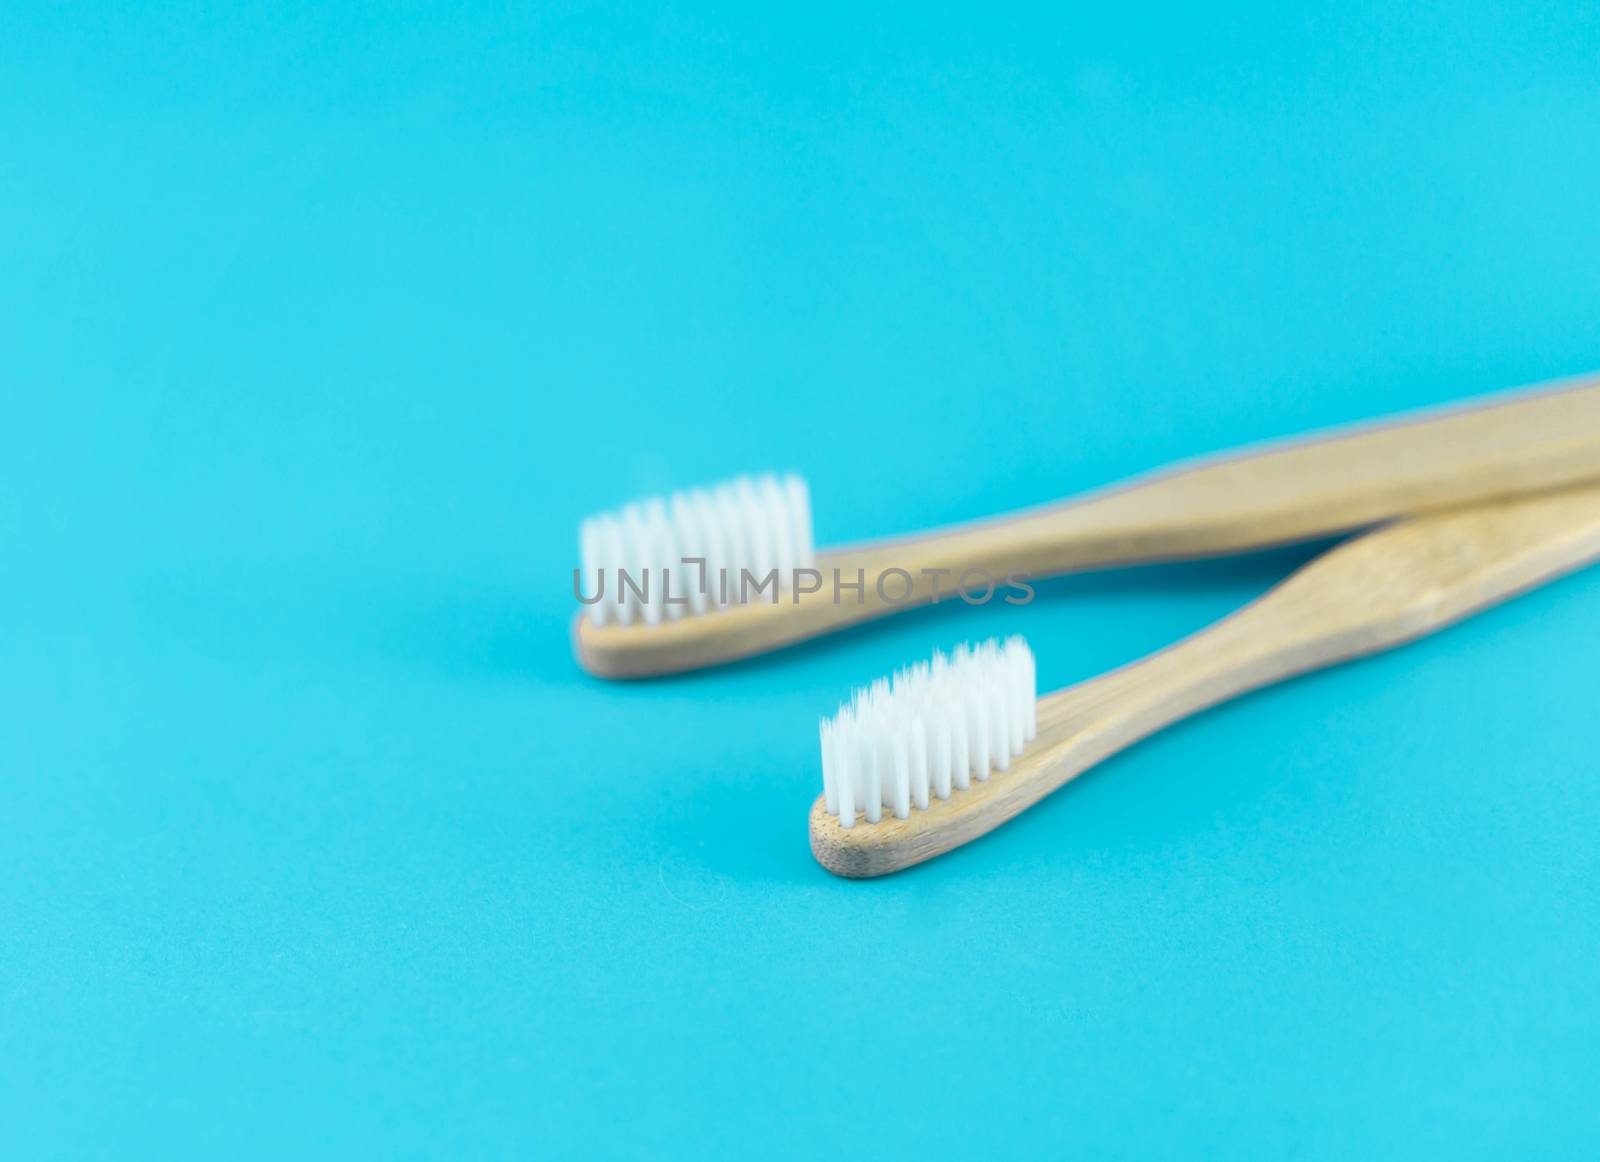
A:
(634, 557)
(922, 736)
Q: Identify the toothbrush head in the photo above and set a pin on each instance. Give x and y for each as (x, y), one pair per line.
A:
(909, 763)
(926, 733)
(665, 558)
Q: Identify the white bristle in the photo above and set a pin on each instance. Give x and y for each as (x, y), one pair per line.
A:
(902, 743)
(759, 524)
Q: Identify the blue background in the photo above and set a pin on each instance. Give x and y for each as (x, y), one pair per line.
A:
(319, 333)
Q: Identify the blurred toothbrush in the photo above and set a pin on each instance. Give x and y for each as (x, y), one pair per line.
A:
(710, 575)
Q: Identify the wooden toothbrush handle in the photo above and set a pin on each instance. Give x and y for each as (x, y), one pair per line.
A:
(1377, 591)
(1527, 442)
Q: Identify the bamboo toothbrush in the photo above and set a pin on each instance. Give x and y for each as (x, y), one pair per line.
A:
(952, 750)
(1522, 443)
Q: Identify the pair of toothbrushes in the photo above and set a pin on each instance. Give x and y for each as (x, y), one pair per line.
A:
(1473, 506)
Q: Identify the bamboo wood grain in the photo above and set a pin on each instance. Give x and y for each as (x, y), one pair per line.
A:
(1521, 443)
(1369, 594)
